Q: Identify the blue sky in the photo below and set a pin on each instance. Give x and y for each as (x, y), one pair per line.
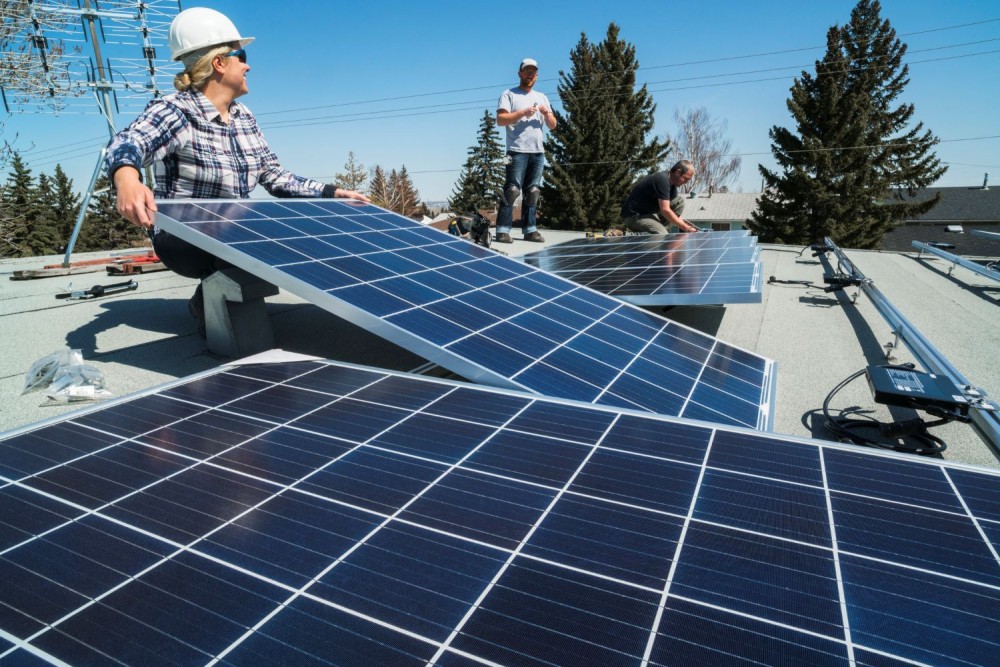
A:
(406, 83)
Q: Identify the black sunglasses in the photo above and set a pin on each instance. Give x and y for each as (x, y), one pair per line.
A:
(238, 53)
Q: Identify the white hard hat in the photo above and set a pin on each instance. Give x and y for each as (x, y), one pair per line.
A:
(201, 27)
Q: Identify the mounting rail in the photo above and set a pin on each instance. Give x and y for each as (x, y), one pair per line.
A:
(982, 233)
(956, 260)
(984, 416)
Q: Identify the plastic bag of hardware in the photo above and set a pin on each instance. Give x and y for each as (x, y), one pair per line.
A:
(43, 371)
(77, 382)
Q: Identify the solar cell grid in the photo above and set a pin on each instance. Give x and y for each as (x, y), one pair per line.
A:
(415, 532)
(484, 316)
(676, 269)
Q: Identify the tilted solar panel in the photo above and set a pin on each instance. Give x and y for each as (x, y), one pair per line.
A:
(662, 270)
(313, 513)
(482, 315)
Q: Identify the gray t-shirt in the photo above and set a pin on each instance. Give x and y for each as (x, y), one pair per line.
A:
(524, 136)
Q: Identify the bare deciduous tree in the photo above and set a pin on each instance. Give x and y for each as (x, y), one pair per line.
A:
(701, 139)
(33, 72)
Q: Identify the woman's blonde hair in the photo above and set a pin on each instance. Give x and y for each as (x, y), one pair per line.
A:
(197, 68)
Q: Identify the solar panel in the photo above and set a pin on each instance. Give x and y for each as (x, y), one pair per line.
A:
(662, 270)
(315, 513)
(481, 315)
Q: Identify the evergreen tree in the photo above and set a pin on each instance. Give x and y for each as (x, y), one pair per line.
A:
(848, 171)
(600, 146)
(481, 182)
(105, 228)
(379, 192)
(464, 196)
(15, 211)
(42, 236)
(405, 198)
(354, 176)
(394, 191)
(66, 204)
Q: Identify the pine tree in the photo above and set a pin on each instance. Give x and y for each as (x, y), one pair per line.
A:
(67, 204)
(354, 176)
(379, 191)
(42, 236)
(394, 191)
(15, 213)
(599, 147)
(481, 182)
(405, 198)
(848, 171)
(105, 228)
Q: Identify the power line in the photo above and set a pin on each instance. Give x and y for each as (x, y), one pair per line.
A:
(977, 166)
(825, 149)
(405, 112)
(500, 86)
(384, 114)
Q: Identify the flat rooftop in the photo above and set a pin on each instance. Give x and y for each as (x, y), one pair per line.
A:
(142, 338)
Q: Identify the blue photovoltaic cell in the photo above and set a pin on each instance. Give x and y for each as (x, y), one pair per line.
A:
(487, 317)
(654, 270)
(402, 520)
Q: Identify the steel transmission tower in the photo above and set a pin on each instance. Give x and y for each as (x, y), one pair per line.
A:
(62, 56)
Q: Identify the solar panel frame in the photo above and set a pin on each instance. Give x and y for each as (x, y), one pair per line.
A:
(662, 270)
(488, 318)
(751, 546)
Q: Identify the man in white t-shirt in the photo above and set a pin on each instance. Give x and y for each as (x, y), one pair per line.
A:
(523, 111)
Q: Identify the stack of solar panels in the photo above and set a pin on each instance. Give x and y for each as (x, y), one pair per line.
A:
(314, 513)
(662, 270)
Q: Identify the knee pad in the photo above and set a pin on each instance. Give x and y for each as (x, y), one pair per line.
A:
(532, 196)
(510, 194)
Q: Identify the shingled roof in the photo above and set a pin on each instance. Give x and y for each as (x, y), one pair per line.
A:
(733, 207)
(961, 205)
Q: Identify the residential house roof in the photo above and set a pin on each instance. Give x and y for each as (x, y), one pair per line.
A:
(961, 205)
(720, 206)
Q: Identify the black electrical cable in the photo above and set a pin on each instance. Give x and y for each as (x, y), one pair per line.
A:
(776, 281)
(844, 428)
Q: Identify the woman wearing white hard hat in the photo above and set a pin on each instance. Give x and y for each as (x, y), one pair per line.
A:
(201, 141)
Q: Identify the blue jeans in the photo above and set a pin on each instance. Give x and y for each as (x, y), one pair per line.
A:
(523, 171)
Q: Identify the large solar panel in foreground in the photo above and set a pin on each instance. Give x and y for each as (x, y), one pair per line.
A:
(662, 270)
(483, 316)
(311, 513)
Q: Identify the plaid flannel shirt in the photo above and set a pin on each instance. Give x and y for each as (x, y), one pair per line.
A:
(196, 155)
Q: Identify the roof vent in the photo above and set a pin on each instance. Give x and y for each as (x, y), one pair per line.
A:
(954, 229)
(986, 179)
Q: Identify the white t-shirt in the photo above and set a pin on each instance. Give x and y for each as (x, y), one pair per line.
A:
(524, 136)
